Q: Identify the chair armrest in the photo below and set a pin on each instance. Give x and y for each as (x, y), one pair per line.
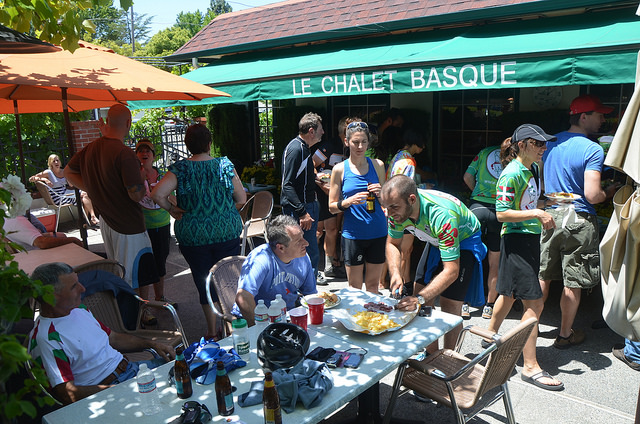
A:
(476, 330)
(427, 368)
(172, 311)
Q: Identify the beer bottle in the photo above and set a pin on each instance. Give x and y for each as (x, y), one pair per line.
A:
(371, 202)
(271, 401)
(181, 375)
(224, 391)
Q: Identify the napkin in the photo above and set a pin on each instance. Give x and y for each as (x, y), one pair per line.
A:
(569, 215)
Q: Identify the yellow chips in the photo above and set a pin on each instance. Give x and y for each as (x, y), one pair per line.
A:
(374, 321)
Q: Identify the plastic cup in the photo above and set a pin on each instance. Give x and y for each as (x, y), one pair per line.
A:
(299, 316)
(316, 309)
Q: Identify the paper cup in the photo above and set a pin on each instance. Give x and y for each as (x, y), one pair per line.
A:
(299, 316)
(316, 309)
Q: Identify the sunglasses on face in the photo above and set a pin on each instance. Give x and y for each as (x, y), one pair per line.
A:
(537, 143)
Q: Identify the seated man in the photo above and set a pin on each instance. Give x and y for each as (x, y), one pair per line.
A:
(20, 230)
(65, 333)
(281, 266)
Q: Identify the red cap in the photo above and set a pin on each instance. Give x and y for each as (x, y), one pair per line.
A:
(588, 103)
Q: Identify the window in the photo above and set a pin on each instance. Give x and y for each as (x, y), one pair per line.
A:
(265, 126)
(470, 120)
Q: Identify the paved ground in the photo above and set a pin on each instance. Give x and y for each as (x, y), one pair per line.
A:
(599, 388)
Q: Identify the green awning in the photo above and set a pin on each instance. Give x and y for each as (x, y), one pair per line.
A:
(585, 49)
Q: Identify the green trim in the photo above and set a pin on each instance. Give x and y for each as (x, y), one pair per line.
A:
(515, 11)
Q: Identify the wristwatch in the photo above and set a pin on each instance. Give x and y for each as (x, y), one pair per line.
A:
(420, 300)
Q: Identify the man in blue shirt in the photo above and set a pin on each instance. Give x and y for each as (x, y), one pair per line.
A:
(569, 253)
(280, 266)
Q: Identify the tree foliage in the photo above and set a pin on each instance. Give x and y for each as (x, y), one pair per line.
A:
(58, 22)
(218, 7)
(114, 25)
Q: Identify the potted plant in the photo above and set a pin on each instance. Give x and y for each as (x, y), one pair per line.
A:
(16, 288)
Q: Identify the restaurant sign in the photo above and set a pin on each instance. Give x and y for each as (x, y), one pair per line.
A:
(491, 75)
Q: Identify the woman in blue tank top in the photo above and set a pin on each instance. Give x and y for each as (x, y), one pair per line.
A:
(364, 229)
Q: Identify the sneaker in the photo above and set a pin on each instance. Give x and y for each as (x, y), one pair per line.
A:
(618, 352)
(487, 311)
(148, 318)
(320, 280)
(575, 338)
(465, 311)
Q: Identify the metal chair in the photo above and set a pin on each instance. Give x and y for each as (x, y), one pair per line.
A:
(43, 189)
(224, 277)
(104, 307)
(458, 382)
(259, 208)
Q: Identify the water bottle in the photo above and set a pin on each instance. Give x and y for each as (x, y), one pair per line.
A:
(275, 312)
(283, 306)
(148, 393)
(261, 315)
(241, 339)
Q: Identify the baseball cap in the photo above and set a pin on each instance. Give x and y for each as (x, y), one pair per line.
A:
(588, 103)
(146, 143)
(525, 131)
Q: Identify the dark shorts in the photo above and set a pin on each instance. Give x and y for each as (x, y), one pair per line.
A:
(458, 289)
(357, 252)
(202, 258)
(323, 201)
(519, 266)
(490, 226)
(160, 242)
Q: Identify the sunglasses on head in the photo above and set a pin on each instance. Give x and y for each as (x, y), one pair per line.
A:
(358, 124)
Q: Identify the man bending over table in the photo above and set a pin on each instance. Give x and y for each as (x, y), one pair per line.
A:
(442, 221)
(80, 355)
(280, 266)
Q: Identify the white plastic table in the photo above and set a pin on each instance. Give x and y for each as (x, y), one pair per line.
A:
(385, 353)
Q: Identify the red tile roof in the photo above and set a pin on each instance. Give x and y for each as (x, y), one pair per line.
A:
(295, 21)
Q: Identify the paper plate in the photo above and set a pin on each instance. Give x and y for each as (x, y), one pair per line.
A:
(327, 305)
(346, 317)
(563, 197)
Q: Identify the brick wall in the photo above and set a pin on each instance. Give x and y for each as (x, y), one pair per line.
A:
(84, 133)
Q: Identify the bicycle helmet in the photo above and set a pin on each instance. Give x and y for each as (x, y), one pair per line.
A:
(282, 345)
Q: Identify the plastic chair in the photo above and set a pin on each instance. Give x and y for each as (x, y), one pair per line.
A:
(43, 189)
(458, 382)
(224, 277)
(260, 206)
(104, 307)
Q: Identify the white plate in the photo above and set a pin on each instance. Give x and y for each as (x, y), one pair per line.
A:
(303, 301)
(346, 316)
(563, 197)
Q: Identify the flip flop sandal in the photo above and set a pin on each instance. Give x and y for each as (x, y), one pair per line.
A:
(534, 380)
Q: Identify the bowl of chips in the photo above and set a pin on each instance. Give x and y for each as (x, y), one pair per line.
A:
(373, 321)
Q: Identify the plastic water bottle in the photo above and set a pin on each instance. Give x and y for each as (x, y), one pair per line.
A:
(283, 306)
(275, 312)
(241, 339)
(149, 398)
(261, 315)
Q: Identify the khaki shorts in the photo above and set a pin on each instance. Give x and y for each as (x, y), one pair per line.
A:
(572, 253)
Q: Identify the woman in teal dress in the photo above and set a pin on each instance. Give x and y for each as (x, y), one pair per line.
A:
(208, 224)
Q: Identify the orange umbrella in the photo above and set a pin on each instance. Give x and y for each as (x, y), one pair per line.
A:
(92, 77)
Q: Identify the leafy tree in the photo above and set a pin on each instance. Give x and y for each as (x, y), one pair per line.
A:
(218, 7)
(58, 22)
(112, 24)
(167, 41)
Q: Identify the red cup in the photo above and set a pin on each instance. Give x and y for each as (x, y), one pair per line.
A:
(299, 316)
(316, 309)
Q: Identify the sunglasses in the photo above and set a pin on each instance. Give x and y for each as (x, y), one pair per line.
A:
(538, 143)
(358, 124)
(192, 410)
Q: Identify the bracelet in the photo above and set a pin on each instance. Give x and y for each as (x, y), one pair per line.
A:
(342, 208)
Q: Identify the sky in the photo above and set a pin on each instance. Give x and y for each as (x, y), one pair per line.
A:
(164, 12)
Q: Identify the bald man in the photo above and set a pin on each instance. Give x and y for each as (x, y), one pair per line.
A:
(109, 172)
